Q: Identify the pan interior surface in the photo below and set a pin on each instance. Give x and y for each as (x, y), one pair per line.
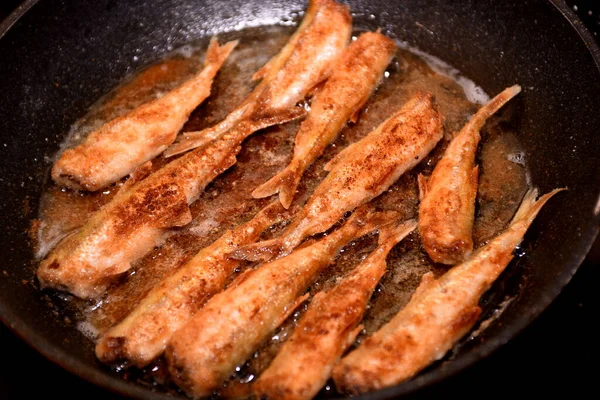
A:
(62, 56)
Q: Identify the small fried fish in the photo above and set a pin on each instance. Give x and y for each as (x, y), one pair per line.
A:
(120, 146)
(440, 312)
(447, 208)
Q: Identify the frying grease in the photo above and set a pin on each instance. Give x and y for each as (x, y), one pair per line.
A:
(227, 201)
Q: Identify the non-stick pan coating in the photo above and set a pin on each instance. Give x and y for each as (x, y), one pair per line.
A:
(59, 57)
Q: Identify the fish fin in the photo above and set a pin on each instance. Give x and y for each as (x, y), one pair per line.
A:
(331, 163)
(319, 297)
(54, 240)
(261, 251)
(174, 210)
(290, 310)
(426, 281)
(139, 174)
(365, 220)
(218, 54)
(317, 87)
(211, 51)
(142, 171)
(356, 114)
(115, 269)
(393, 234)
(272, 66)
(530, 206)
(262, 72)
(270, 249)
(181, 216)
(284, 183)
(276, 62)
(422, 182)
(358, 110)
(249, 231)
(256, 122)
(351, 337)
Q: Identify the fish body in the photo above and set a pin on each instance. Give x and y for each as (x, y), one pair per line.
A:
(329, 326)
(133, 223)
(232, 324)
(143, 335)
(289, 77)
(342, 96)
(440, 312)
(120, 146)
(447, 208)
(360, 173)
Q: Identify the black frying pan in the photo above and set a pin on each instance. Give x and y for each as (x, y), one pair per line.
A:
(88, 47)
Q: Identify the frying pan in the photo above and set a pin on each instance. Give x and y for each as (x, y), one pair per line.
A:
(58, 57)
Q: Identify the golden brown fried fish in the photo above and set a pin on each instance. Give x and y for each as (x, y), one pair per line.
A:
(120, 146)
(439, 313)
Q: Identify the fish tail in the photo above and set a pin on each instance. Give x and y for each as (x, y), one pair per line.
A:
(478, 120)
(364, 220)
(191, 140)
(278, 247)
(394, 233)
(239, 129)
(184, 146)
(270, 215)
(262, 120)
(284, 183)
(531, 206)
(261, 251)
(194, 140)
(218, 54)
(370, 271)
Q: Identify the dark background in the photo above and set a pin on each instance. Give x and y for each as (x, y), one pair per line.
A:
(555, 355)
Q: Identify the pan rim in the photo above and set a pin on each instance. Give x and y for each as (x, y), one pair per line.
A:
(115, 384)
